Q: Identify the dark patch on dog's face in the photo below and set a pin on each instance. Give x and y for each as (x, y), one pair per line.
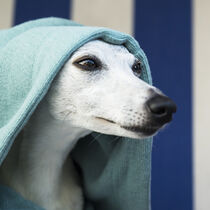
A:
(89, 63)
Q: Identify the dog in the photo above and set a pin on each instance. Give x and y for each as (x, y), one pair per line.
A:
(98, 89)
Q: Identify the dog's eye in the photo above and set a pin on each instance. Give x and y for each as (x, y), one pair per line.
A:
(137, 68)
(88, 64)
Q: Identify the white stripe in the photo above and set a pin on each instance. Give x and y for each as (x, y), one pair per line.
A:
(115, 14)
(6, 13)
(201, 90)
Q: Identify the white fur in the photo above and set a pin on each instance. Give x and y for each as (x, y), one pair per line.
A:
(38, 165)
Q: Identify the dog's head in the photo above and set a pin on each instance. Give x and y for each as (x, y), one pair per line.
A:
(99, 89)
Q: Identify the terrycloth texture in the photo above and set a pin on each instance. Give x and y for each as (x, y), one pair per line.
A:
(10, 200)
(116, 174)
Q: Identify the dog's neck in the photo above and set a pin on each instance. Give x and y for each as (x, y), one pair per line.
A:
(41, 157)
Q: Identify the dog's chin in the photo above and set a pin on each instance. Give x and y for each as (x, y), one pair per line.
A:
(143, 131)
(139, 132)
(111, 128)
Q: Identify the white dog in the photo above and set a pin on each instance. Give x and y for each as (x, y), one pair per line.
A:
(98, 89)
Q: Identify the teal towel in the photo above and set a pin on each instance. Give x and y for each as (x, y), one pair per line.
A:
(116, 174)
(10, 200)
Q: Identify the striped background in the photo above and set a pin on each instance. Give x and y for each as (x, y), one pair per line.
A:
(175, 35)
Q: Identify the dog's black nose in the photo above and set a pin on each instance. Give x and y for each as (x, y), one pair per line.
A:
(161, 108)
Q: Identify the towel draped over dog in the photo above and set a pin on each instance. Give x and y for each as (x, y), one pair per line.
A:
(116, 173)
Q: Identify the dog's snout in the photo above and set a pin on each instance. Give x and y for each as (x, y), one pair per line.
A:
(161, 108)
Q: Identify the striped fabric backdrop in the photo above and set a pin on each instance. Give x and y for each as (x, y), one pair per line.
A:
(175, 36)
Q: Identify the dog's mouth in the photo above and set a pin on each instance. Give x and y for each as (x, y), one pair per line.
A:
(104, 119)
(145, 130)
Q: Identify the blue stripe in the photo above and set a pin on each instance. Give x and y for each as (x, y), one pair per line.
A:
(28, 10)
(163, 29)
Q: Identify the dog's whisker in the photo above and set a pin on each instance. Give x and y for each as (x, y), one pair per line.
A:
(96, 138)
(99, 135)
(66, 115)
(64, 119)
(91, 142)
(115, 139)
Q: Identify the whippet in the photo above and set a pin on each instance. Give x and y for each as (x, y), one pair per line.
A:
(98, 89)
